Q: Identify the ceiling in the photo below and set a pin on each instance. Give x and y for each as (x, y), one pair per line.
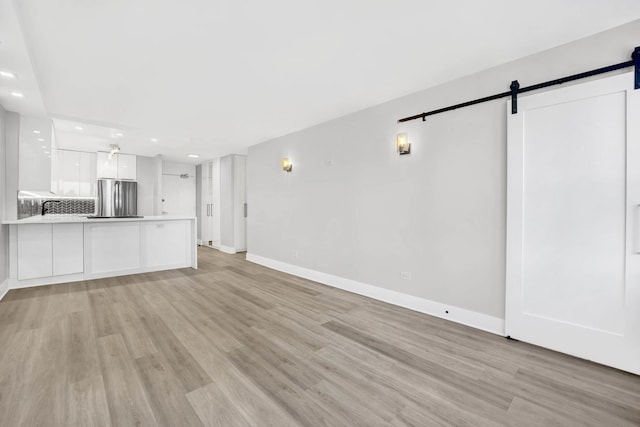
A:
(14, 59)
(213, 77)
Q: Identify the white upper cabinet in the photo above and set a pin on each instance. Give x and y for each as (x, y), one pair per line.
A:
(69, 173)
(119, 166)
(87, 174)
(106, 167)
(73, 173)
(34, 154)
(126, 166)
(55, 172)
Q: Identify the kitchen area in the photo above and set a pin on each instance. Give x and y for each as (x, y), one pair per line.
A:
(86, 212)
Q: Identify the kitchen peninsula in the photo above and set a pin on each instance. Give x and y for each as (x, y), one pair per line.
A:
(48, 249)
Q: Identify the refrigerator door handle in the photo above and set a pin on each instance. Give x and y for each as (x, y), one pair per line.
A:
(636, 229)
(116, 191)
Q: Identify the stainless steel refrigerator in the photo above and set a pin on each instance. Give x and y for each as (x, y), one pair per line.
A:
(116, 198)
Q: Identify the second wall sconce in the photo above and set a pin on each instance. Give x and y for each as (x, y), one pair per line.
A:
(402, 142)
(287, 166)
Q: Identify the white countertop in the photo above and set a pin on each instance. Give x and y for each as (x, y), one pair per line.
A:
(53, 219)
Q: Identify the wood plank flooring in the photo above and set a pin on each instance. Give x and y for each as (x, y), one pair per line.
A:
(236, 344)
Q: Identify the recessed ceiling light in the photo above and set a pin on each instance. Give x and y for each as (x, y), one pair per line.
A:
(154, 139)
(36, 131)
(46, 152)
(17, 94)
(7, 74)
(43, 146)
(194, 156)
(78, 128)
(40, 139)
(118, 134)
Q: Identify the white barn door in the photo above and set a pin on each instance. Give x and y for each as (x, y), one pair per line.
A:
(573, 203)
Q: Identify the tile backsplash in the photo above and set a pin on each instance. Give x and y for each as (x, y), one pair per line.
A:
(31, 206)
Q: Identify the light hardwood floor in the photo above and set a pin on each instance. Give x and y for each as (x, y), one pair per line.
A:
(236, 344)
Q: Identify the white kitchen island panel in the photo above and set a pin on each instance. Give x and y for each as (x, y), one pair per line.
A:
(68, 242)
(112, 248)
(34, 251)
(57, 249)
(166, 244)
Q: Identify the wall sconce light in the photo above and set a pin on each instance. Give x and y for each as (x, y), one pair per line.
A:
(402, 141)
(287, 166)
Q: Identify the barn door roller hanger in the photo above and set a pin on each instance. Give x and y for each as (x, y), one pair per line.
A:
(515, 88)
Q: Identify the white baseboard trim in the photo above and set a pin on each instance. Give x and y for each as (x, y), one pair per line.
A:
(227, 249)
(44, 281)
(455, 314)
(4, 288)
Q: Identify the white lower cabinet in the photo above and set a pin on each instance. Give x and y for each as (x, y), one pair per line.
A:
(49, 250)
(113, 247)
(166, 244)
(138, 246)
(35, 246)
(68, 249)
(58, 252)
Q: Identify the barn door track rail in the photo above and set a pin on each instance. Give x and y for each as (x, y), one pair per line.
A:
(515, 88)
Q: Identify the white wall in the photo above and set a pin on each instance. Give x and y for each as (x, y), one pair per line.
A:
(4, 229)
(147, 178)
(353, 208)
(157, 161)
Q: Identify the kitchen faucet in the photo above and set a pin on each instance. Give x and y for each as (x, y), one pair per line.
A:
(44, 205)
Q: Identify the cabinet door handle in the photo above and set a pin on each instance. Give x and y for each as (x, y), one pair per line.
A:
(245, 210)
(636, 229)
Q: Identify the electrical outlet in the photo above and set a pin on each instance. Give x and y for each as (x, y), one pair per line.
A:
(329, 163)
(405, 275)
(295, 254)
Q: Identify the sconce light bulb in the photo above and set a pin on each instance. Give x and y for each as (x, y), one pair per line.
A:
(402, 143)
